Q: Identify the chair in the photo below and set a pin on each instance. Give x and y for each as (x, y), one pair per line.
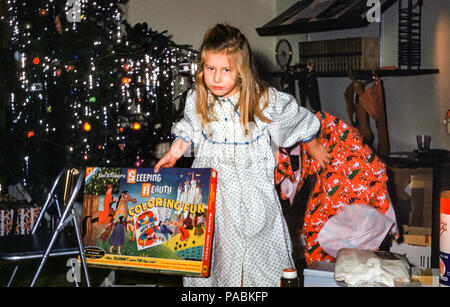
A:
(44, 244)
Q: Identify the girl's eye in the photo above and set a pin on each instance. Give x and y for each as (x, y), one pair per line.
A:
(226, 69)
(210, 68)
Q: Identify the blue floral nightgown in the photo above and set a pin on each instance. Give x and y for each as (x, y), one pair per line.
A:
(251, 243)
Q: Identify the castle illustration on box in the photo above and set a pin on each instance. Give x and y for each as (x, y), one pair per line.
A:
(135, 218)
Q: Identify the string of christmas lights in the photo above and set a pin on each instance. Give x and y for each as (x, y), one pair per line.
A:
(89, 84)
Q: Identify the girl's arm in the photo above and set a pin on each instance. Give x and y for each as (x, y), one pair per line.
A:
(177, 149)
(319, 152)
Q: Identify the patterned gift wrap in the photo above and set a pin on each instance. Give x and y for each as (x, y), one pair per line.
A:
(25, 219)
(6, 220)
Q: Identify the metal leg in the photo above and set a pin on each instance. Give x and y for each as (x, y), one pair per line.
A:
(47, 253)
(80, 248)
(47, 204)
(63, 222)
(50, 199)
(67, 217)
(57, 206)
(12, 276)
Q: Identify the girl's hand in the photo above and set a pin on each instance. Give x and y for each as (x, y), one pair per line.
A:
(319, 152)
(171, 157)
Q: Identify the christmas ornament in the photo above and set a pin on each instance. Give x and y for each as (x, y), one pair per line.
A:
(136, 126)
(87, 127)
(126, 67)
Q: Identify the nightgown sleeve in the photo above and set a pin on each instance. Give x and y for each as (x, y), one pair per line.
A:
(291, 123)
(189, 128)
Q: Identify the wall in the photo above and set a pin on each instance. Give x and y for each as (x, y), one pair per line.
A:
(187, 20)
(414, 104)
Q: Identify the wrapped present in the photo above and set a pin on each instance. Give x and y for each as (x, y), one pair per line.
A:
(6, 221)
(138, 219)
(25, 219)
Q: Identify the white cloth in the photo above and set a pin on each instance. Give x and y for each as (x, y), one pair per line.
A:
(251, 241)
(357, 226)
(366, 268)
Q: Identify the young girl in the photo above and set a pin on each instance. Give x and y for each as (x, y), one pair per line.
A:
(118, 236)
(231, 118)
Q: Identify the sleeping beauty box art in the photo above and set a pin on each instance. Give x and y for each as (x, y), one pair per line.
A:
(134, 218)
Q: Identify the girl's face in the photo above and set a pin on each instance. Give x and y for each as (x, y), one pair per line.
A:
(220, 74)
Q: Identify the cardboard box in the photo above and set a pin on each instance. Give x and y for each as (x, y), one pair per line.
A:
(425, 276)
(420, 236)
(162, 222)
(419, 256)
(421, 198)
(411, 194)
(320, 274)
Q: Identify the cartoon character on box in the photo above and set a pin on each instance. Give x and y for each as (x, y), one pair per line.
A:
(165, 230)
(148, 237)
(118, 236)
(107, 201)
(122, 205)
(130, 227)
(107, 231)
(184, 232)
(145, 218)
(150, 230)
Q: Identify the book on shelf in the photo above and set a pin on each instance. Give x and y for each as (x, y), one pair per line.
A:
(338, 55)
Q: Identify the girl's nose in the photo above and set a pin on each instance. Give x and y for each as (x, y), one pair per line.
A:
(217, 76)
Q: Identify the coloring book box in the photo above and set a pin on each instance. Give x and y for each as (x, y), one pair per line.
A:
(137, 219)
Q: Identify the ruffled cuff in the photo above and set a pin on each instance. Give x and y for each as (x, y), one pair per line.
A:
(184, 139)
(310, 138)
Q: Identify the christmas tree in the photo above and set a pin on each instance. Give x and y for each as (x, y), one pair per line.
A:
(84, 87)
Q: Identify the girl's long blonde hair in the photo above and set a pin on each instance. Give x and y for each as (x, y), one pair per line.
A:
(225, 38)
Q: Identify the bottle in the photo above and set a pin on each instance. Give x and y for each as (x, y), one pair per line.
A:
(444, 241)
(289, 278)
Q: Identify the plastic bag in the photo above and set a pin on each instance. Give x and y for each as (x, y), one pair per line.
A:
(289, 183)
(363, 268)
(356, 226)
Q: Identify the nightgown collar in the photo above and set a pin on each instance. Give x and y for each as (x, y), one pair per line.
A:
(234, 99)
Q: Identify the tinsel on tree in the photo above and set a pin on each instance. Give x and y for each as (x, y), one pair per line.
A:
(84, 87)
